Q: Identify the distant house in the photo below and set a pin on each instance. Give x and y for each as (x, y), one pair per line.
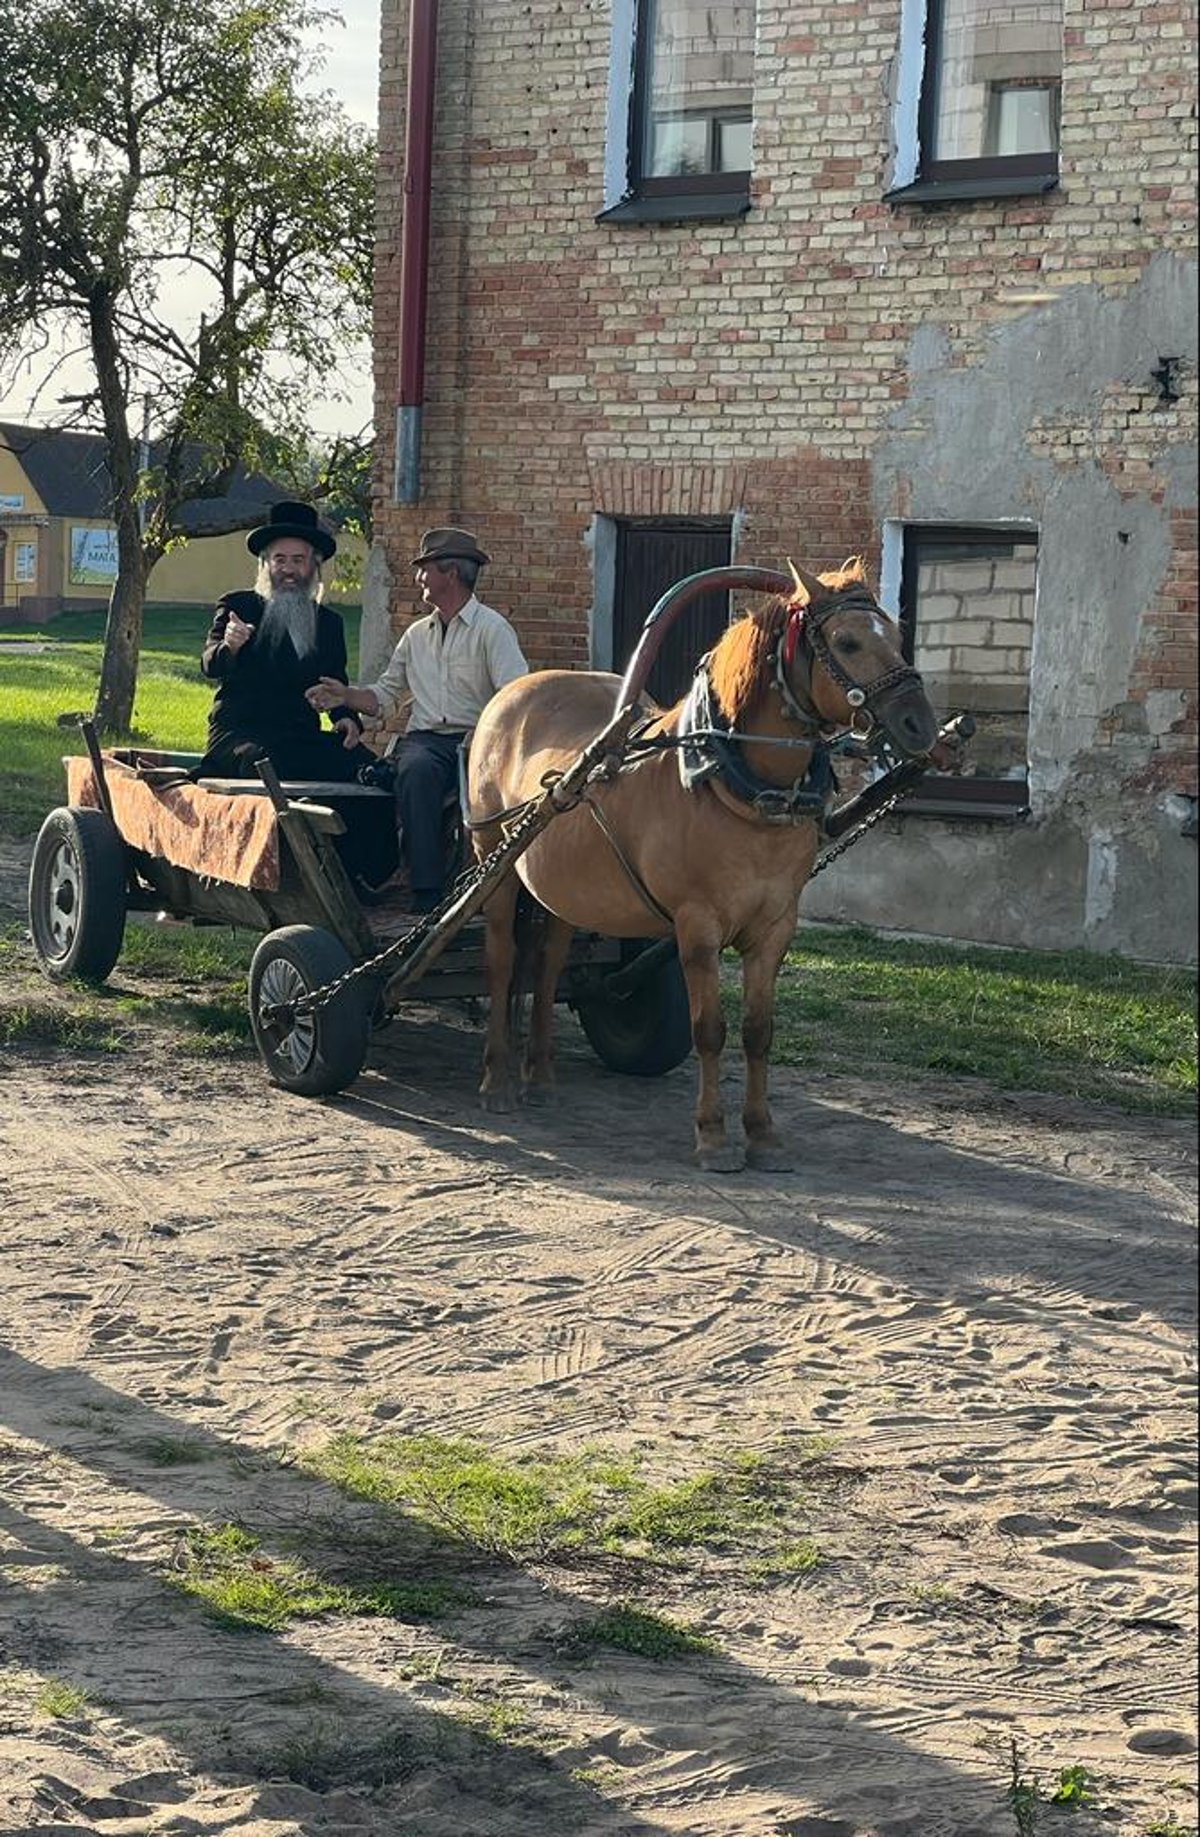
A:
(57, 541)
(713, 281)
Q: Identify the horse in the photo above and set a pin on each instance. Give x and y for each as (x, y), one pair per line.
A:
(719, 861)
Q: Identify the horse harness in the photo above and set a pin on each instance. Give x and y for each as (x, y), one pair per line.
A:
(710, 748)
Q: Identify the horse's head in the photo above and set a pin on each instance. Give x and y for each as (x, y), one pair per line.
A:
(839, 659)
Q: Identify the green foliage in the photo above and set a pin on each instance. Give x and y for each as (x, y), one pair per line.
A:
(137, 131)
(1096, 1027)
(226, 1567)
(1169, 1826)
(61, 1701)
(1076, 1787)
(646, 1635)
(578, 1505)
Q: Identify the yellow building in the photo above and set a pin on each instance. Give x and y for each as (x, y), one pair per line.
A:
(58, 544)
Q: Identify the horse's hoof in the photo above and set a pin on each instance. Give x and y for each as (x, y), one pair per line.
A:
(770, 1158)
(539, 1096)
(727, 1160)
(497, 1103)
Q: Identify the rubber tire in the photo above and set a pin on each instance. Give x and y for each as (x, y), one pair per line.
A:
(78, 894)
(647, 1033)
(324, 1051)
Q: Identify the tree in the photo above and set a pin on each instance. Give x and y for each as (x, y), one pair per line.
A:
(152, 154)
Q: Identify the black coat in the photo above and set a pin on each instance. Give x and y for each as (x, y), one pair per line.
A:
(259, 707)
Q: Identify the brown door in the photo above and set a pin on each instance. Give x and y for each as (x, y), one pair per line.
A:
(650, 557)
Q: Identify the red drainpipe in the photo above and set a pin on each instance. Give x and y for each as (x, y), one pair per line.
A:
(414, 246)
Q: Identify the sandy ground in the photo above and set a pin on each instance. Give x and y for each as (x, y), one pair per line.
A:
(986, 1302)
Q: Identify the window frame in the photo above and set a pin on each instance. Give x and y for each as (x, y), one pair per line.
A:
(646, 197)
(943, 795)
(925, 178)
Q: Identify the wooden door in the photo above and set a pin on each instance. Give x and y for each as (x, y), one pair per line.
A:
(650, 557)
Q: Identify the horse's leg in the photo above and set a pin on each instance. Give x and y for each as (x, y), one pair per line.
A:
(760, 969)
(539, 1051)
(699, 953)
(500, 955)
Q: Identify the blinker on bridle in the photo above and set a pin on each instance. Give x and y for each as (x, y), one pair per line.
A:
(807, 623)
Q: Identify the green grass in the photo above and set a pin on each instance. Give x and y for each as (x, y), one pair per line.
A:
(624, 1628)
(61, 1701)
(1094, 1027)
(579, 1506)
(243, 1587)
(38, 686)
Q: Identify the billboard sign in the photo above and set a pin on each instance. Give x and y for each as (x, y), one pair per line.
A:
(93, 557)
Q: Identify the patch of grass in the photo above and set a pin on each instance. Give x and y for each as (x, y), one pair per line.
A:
(791, 1559)
(172, 1450)
(1094, 1027)
(322, 1758)
(243, 1587)
(37, 686)
(61, 1701)
(576, 1505)
(1169, 1826)
(44, 1020)
(625, 1628)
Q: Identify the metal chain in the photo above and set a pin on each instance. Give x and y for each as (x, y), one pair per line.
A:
(829, 855)
(316, 999)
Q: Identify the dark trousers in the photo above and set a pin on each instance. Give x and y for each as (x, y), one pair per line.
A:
(426, 765)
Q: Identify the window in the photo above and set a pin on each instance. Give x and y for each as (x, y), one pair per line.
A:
(987, 116)
(680, 115)
(967, 608)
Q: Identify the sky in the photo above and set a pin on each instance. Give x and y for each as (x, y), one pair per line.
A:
(350, 70)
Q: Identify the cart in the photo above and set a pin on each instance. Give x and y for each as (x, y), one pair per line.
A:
(140, 833)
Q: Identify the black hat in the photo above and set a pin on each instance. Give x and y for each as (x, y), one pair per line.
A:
(449, 545)
(292, 520)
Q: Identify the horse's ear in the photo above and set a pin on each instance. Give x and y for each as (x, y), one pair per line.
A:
(814, 589)
(854, 568)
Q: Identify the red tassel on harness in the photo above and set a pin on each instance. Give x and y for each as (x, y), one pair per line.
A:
(791, 635)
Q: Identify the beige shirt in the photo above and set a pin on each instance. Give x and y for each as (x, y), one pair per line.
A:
(450, 671)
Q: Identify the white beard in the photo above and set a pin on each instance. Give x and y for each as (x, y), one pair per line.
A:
(291, 614)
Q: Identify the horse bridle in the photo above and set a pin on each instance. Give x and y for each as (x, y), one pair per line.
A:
(805, 626)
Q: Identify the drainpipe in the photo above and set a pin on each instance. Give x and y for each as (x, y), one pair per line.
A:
(414, 246)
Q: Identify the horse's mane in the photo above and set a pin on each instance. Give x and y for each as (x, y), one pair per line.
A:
(740, 665)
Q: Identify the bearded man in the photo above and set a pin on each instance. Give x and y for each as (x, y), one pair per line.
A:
(266, 648)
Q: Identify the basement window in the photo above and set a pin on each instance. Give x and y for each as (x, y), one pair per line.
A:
(978, 107)
(680, 110)
(967, 603)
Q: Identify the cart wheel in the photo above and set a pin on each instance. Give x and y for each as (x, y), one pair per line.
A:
(648, 1031)
(77, 894)
(317, 1052)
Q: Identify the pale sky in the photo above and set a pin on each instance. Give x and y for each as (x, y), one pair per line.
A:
(351, 72)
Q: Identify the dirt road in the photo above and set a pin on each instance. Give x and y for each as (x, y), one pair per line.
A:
(985, 1303)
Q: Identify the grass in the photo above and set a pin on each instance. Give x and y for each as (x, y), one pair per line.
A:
(624, 1628)
(61, 1701)
(243, 1587)
(574, 1506)
(1098, 1028)
(187, 983)
(39, 687)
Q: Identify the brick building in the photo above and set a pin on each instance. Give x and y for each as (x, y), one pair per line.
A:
(912, 278)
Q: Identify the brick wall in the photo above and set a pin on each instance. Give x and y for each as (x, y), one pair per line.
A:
(779, 367)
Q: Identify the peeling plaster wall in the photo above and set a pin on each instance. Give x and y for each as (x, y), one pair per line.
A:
(1096, 862)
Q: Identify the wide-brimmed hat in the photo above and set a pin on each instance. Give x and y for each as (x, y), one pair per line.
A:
(449, 545)
(298, 520)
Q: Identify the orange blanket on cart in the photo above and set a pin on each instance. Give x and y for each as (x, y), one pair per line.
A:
(230, 838)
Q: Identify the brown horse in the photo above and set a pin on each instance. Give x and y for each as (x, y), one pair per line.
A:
(721, 863)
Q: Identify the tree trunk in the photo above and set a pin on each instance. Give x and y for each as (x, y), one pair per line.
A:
(122, 641)
(126, 607)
